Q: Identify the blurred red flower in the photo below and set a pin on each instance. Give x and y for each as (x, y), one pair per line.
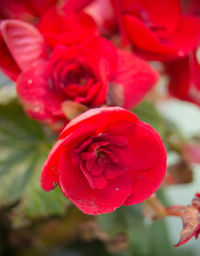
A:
(157, 29)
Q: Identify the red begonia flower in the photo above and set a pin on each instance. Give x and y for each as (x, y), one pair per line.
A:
(92, 73)
(184, 78)
(157, 29)
(78, 73)
(70, 28)
(106, 158)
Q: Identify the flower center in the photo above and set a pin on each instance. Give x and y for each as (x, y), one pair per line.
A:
(100, 158)
(73, 81)
(78, 75)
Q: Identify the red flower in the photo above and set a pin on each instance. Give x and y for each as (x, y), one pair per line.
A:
(184, 78)
(79, 73)
(92, 73)
(157, 29)
(106, 158)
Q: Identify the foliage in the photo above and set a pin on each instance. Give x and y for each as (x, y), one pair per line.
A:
(24, 146)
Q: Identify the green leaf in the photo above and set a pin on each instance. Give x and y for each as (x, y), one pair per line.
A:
(7, 90)
(148, 113)
(24, 146)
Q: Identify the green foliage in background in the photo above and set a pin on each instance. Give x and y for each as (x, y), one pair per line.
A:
(24, 146)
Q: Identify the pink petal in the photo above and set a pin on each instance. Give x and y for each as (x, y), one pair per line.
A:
(24, 42)
(7, 63)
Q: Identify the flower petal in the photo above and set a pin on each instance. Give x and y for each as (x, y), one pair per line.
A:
(24, 42)
(34, 91)
(90, 201)
(136, 76)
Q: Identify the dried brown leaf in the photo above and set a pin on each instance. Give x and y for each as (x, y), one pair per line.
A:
(181, 172)
(191, 224)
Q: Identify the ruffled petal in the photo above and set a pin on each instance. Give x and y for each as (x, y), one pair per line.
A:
(136, 77)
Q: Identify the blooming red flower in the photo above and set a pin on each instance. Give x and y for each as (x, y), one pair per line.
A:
(184, 78)
(106, 158)
(157, 29)
(92, 73)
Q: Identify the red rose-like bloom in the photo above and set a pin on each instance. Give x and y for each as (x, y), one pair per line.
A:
(92, 73)
(106, 158)
(157, 29)
(184, 78)
(79, 73)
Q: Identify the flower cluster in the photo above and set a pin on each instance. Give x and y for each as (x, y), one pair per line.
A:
(80, 67)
